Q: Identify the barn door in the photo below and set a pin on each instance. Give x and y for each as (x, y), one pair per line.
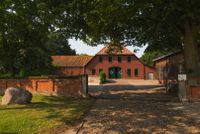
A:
(114, 72)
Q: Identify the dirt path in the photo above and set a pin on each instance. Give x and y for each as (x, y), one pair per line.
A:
(139, 111)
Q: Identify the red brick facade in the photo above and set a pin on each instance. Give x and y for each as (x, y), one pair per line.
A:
(122, 64)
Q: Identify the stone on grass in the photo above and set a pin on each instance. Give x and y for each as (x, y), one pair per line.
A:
(15, 95)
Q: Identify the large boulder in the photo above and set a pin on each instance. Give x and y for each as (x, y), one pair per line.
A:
(15, 95)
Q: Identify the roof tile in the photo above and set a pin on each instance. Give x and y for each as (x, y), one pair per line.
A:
(71, 61)
(124, 51)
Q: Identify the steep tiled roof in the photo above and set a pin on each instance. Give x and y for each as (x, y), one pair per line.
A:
(71, 61)
(124, 51)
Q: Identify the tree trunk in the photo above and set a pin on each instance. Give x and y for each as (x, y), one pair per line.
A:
(191, 50)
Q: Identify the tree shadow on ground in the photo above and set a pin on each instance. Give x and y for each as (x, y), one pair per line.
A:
(94, 88)
(110, 81)
(135, 112)
(67, 110)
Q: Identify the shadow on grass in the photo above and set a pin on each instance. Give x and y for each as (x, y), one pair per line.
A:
(66, 110)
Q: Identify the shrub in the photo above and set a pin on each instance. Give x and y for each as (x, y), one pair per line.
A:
(22, 73)
(6, 75)
(102, 77)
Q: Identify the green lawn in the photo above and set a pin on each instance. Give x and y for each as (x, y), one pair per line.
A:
(46, 114)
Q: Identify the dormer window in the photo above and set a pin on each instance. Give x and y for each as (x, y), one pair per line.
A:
(129, 72)
(100, 59)
(136, 72)
(119, 59)
(129, 59)
(110, 58)
(93, 71)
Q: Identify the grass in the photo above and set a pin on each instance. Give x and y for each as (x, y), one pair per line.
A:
(46, 114)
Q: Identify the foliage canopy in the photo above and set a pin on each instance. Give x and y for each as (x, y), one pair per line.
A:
(25, 41)
(163, 24)
(30, 25)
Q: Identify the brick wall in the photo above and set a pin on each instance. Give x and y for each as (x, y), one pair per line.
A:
(68, 86)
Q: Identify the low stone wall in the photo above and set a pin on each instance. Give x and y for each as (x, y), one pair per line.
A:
(75, 86)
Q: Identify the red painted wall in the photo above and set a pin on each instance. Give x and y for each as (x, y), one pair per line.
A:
(124, 65)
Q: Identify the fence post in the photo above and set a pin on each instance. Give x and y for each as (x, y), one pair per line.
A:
(182, 87)
(84, 82)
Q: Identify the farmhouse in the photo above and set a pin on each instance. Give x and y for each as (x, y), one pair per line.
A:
(118, 64)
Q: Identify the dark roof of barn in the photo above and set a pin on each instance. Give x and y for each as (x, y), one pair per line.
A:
(71, 61)
(166, 56)
(124, 51)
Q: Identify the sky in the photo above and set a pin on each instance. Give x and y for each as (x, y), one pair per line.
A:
(82, 48)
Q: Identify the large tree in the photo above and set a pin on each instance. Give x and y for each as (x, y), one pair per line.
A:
(25, 26)
(58, 44)
(139, 22)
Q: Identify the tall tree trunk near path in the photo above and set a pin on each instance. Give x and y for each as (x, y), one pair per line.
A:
(191, 50)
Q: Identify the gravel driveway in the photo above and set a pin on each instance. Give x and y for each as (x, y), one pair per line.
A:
(123, 109)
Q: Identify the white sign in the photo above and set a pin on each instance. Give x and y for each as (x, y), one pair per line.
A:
(182, 77)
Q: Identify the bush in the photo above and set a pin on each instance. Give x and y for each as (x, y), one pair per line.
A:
(6, 75)
(102, 77)
(22, 73)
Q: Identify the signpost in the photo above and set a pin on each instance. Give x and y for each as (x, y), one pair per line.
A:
(182, 90)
